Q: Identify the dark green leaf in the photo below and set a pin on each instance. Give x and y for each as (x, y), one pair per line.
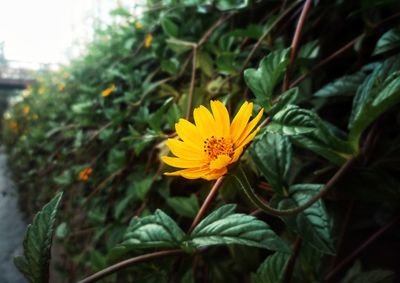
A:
(34, 263)
(273, 157)
(356, 275)
(346, 85)
(288, 97)
(272, 269)
(379, 91)
(224, 227)
(313, 223)
(185, 206)
(292, 120)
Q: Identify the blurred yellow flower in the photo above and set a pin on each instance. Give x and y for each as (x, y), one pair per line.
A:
(148, 39)
(35, 117)
(108, 90)
(84, 174)
(138, 25)
(14, 125)
(61, 87)
(210, 145)
(42, 90)
(25, 109)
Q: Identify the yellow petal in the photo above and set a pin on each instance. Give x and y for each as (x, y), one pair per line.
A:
(180, 163)
(249, 138)
(220, 162)
(240, 121)
(215, 174)
(205, 122)
(250, 126)
(189, 133)
(183, 150)
(236, 154)
(221, 117)
(192, 173)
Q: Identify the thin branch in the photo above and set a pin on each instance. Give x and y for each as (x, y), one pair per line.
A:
(326, 60)
(295, 41)
(211, 196)
(357, 251)
(257, 201)
(121, 265)
(192, 83)
(292, 261)
(269, 29)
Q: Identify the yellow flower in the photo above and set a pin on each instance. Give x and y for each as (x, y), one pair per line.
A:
(108, 90)
(61, 87)
(14, 125)
(26, 109)
(211, 144)
(85, 173)
(148, 39)
(138, 25)
(42, 90)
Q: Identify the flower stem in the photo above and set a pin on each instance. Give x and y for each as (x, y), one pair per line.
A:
(120, 265)
(211, 196)
(258, 202)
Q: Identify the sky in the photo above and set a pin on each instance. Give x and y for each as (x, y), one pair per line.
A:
(42, 31)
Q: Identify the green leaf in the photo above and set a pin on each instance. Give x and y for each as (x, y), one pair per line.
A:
(185, 206)
(292, 120)
(153, 231)
(262, 81)
(285, 99)
(169, 27)
(34, 263)
(346, 85)
(356, 275)
(224, 5)
(224, 227)
(272, 269)
(379, 91)
(273, 157)
(313, 223)
(389, 40)
(326, 141)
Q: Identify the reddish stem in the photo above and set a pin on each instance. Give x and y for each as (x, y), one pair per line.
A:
(120, 265)
(357, 251)
(211, 196)
(292, 261)
(295, 41)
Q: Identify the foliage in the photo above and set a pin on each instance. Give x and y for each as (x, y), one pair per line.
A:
(95, 129)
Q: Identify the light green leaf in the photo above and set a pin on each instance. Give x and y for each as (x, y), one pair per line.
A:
(272, 269)
(153, 231)
(169, 27)
(224, 227)
(273, 157)
(34, 263)
(388, 41)
(262, 81)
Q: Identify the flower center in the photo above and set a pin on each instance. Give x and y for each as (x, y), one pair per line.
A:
(214, 147)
